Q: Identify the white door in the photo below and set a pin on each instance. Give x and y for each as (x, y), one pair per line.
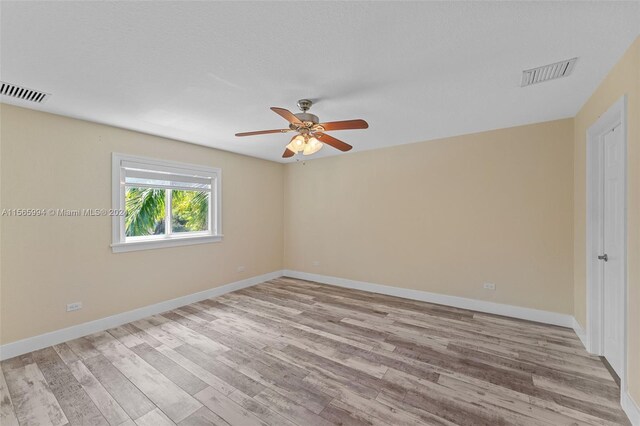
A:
(613, 247)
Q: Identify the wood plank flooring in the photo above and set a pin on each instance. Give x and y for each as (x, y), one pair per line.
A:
(291, 352)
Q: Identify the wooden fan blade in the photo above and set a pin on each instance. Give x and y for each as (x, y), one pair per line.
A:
(330, 140)
(345, 125)
(287, 153)
(287, 115)
(263, 132)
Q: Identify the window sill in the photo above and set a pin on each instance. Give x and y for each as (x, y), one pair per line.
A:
(164, 243)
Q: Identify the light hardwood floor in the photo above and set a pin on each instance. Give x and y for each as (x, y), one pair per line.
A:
(291, 352)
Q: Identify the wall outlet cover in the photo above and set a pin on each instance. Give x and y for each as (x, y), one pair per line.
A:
(74, 306)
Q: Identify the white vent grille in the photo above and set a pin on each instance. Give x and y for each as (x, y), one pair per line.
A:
(548, 72)
(23, 93)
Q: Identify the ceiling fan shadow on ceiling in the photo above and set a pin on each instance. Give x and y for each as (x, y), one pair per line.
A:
(311, 136)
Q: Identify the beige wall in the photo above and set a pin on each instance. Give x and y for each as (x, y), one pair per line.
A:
(624, 78)
(53, 161)
(443, 216)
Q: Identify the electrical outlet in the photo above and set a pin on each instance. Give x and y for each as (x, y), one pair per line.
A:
(74, 306)
(240, 268)
(489, 286)
(316, 263)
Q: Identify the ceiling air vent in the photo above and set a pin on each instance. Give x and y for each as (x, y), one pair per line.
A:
(23, 93)
(548, 72)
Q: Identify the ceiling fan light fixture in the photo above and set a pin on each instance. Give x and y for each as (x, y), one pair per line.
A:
(313, 145)
(297, 143)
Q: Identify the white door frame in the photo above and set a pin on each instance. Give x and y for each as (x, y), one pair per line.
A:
(615, 115)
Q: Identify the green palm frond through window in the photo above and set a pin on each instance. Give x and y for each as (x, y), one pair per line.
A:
(145, 211)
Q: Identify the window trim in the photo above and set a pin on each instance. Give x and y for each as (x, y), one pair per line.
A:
(119, 242)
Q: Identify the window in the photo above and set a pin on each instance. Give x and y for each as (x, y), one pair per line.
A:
(163, 203)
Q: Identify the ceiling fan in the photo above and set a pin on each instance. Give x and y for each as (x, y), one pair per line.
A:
(310, 132)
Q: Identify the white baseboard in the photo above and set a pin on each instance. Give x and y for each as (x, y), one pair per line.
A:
(582, 334)
(554, 318)
(631, 408)
(30, 344)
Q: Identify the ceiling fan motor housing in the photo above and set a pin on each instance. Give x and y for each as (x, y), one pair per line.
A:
(306, 116)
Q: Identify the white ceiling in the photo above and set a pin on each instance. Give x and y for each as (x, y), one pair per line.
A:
(202, 71)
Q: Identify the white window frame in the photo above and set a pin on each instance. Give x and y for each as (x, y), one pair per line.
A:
(121, 243)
